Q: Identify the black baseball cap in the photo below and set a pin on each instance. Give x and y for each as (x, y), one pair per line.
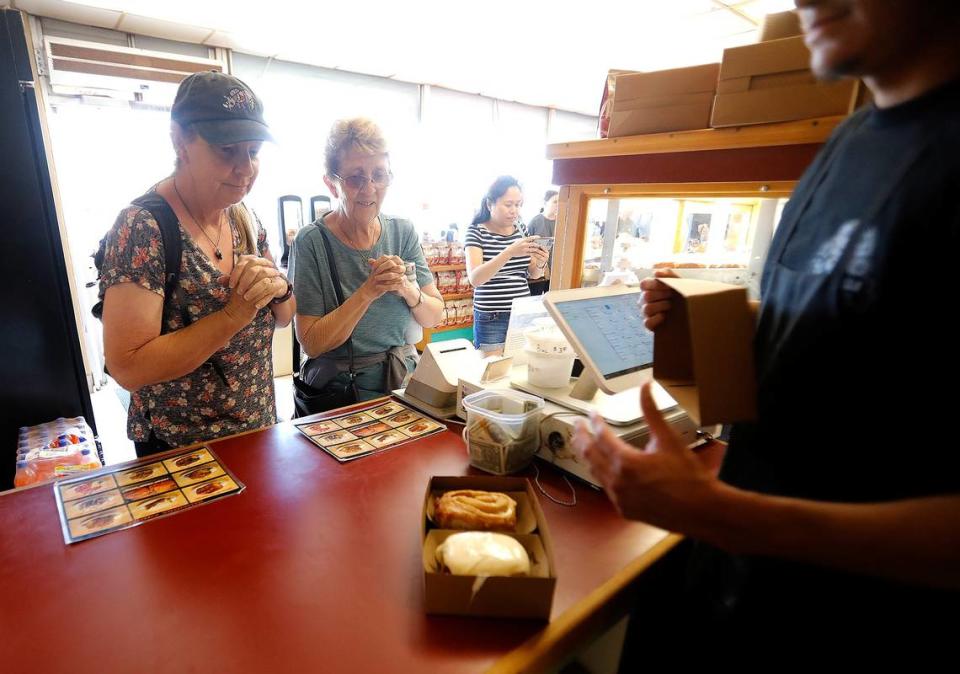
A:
(221, 107)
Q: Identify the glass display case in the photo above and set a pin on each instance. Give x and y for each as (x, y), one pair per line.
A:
(715, 238)
(706, 202)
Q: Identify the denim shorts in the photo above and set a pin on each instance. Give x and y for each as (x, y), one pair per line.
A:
(490, 329)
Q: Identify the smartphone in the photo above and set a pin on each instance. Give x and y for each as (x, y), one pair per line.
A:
(545, 242)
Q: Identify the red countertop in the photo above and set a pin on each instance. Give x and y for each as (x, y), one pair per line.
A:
(314, 567)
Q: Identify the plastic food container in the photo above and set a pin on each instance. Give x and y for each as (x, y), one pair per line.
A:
(549, 357)
(503, 430)
(547, 339)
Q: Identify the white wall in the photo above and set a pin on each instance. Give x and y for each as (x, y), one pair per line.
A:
(446, 146)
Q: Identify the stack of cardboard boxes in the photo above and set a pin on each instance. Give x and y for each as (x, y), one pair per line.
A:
(667, 100)
(772, 82)
(780, 25)
(759, 83)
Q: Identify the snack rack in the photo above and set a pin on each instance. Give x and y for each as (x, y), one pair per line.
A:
(453, 326)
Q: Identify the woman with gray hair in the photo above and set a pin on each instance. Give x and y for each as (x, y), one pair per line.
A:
(189, 334)
(360, 277)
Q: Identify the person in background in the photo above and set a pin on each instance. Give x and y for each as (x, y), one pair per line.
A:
(835, 518)
(289, 235)
(370, 251)
(213, 377)
(544, 223)
(627, 222)
(500, 257)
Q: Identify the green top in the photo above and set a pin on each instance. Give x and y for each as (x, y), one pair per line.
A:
(384, 324)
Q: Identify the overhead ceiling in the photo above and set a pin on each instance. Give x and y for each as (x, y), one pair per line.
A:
(552, 53)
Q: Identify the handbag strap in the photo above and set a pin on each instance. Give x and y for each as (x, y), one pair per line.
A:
(337, 289)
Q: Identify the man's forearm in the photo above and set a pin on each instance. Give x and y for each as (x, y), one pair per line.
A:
(915, 540)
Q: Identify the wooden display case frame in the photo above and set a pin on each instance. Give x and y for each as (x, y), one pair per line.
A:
(763, 161)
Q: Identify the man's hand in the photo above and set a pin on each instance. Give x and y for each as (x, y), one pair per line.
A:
(664, 484)
(656, 297)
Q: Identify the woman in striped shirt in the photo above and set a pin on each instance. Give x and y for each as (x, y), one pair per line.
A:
(500, 260)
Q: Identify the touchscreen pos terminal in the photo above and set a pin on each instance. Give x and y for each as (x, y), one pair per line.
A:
(605, 328)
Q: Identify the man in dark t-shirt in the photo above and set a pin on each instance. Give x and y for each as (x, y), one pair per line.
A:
(839, 507)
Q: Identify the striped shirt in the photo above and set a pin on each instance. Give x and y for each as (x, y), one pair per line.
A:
(511, 280)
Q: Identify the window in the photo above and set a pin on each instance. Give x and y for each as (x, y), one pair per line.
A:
(300, 104)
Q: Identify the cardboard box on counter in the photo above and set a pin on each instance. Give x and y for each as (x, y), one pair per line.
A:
(666, 100)
(661, 83)
(703, 352)
(780, 25)
(498, 596)
(771, 82)
(760, 82)
(606, 101)
(661, 119)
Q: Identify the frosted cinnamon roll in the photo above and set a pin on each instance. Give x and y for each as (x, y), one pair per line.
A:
(475, 509)
(481, 553)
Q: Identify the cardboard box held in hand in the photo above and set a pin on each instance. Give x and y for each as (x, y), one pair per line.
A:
(703, 352)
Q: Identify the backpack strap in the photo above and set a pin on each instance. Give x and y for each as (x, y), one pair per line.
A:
(168, 223)
(169, 226)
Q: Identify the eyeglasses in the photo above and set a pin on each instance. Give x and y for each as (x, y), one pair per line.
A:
(358, 182)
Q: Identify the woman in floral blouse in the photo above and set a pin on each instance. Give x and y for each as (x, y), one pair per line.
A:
(214, 376)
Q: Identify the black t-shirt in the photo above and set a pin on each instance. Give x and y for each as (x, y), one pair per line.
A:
(856, 364)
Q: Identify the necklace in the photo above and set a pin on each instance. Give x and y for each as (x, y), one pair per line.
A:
(363, 253)
(216, 244)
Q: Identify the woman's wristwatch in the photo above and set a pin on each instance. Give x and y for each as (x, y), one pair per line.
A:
(285, 296)
(419, 300)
